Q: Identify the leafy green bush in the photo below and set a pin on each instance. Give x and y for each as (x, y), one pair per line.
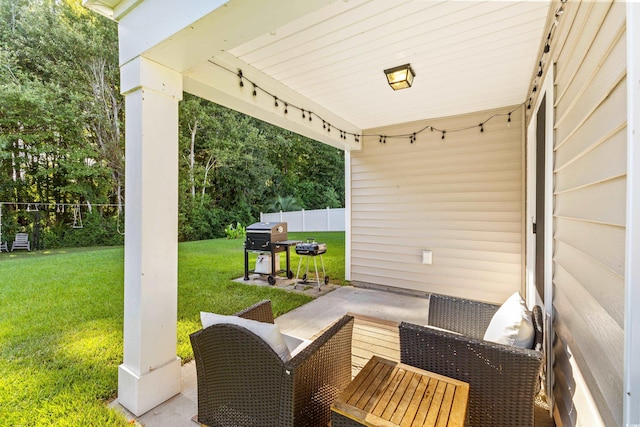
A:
(96, 230)
(235, 232)
(197, 221)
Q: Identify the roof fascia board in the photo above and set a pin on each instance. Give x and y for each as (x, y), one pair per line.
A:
(181, 35)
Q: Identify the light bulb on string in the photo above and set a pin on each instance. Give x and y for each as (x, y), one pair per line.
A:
(240, 76)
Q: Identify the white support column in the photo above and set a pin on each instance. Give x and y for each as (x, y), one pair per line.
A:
(347, 215)
(150, 373)
(632, 263)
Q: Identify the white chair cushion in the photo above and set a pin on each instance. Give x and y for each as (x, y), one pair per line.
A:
(269, 332)
(511, 324)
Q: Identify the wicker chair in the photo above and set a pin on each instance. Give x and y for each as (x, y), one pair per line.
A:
(503, 380)
(243, 382)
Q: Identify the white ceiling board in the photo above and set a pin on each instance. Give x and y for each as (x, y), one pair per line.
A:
(467, 55)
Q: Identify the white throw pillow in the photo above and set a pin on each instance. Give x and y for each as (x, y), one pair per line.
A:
(295, 344)
(511, 324)
(269, 332)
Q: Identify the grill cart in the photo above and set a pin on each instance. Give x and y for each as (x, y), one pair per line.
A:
(268, 238)
(311, 249)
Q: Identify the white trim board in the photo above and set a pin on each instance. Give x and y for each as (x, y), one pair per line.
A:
(632, 263)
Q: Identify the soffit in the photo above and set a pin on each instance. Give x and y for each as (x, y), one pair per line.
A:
(468, 56)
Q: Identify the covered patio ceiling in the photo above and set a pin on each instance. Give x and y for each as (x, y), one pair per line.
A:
(328, 56)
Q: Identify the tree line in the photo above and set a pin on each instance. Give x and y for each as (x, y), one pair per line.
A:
(62, 140)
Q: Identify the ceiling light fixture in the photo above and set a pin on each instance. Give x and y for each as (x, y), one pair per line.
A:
(400, 77)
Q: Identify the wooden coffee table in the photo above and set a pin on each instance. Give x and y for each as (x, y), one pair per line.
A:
(387, 394)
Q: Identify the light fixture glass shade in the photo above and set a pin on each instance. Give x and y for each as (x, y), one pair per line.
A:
(400, 77)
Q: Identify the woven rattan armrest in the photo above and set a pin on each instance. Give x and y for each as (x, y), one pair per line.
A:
(261, 311)
(318, 374)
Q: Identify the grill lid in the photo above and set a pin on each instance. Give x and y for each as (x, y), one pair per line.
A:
(267, 227)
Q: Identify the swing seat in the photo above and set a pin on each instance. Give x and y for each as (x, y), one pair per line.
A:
(21, 242)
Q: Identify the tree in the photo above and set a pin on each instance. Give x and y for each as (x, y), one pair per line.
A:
(60, 108)
(285, 204)
(62, 131)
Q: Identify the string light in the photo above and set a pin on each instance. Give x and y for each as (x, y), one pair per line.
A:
(547, 48)
(412, 137)
(304, 112)
(547, 45)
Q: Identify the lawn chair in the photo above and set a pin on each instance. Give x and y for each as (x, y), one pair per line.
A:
(21, 242)
(503, 380)
(242, 381)
(4, 247)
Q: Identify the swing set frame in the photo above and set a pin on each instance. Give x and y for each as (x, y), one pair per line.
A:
(59, 207)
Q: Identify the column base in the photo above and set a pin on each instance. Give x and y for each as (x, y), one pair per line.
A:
(140, 394)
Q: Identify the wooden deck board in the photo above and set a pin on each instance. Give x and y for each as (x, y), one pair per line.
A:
(373, 337)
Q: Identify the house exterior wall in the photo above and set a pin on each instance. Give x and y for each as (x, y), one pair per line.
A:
(460, 198)
(589, 201)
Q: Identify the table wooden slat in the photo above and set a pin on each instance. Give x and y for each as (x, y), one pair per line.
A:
(412, 410)
(387, 393)
(381, 406)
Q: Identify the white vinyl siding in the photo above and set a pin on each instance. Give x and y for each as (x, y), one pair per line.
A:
(460, 197)
(589, 209)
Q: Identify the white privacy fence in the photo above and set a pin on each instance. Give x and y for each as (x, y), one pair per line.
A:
(309, 220)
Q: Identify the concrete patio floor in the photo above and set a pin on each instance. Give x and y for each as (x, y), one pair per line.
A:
(303, 322)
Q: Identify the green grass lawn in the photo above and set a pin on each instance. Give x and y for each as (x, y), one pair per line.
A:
(61, 322)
